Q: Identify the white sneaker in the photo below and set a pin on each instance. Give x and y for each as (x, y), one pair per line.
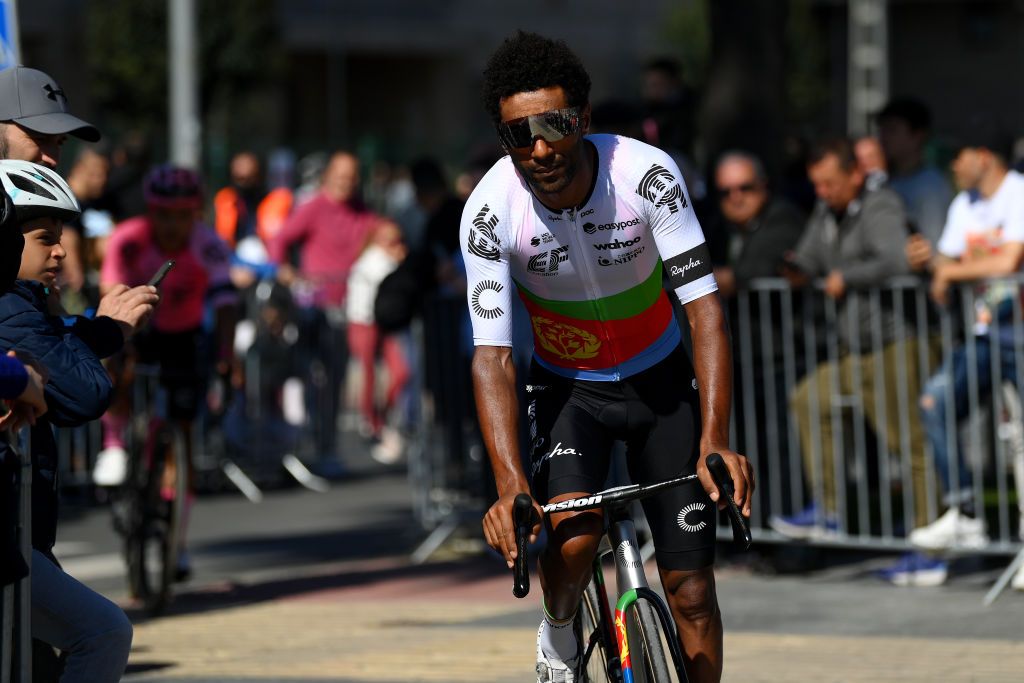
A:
(389, 450)
(551, 670)
(1017, 582)
(111, 467)
(951, 530)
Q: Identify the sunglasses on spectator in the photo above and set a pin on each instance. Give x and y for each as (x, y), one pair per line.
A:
(550, 126)
(745, 188)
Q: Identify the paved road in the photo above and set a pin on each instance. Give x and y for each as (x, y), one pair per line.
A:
(316, 587)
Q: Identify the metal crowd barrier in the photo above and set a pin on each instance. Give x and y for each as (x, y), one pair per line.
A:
(883, 484)
(16, 598)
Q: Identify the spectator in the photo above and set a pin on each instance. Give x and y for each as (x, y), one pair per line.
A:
(329, 231)
(245, 208)
(34, 118)
(757, 229)
(854, 240)
(871, 160)
(85, 237)
(129, 161)
(92, 631)
(903, 129)
(381, 257)
(983, 238)
(670, 104)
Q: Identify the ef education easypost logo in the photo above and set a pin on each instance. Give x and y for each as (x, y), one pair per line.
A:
(659, 181)
(482, 240)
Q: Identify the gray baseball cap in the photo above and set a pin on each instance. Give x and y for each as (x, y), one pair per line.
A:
(33, 100)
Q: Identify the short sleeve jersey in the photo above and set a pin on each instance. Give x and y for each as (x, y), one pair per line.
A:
(200, 275)
(590, 277)
(977, 226)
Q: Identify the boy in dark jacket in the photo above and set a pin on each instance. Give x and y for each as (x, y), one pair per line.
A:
(91, 630)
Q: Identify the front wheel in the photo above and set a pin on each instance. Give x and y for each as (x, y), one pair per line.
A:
(643, 629)
(597, 639)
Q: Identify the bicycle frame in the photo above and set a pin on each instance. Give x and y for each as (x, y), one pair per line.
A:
(632, 584)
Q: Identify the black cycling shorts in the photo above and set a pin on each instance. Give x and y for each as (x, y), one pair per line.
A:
(574, 424)
(179, 356)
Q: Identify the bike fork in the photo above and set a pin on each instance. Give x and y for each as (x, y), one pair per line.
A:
(633, 586)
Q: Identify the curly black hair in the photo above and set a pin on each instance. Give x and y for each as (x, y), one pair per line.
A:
(526, 62)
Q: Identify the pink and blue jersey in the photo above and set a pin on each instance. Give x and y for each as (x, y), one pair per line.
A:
(590, 277)
(201, 273)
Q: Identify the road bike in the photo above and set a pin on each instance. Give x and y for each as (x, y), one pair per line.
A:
(629, 646)
(149, 506)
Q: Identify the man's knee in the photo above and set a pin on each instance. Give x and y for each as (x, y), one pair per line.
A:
(577, 535)
(692, 594)
(113, 636)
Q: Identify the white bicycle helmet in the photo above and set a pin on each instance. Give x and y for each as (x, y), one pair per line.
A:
(37, 191)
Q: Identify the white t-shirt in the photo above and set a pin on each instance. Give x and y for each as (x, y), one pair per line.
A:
(978, 226)
(369, 270)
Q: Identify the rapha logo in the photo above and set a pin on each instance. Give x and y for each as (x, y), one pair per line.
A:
(481, 293)
(617, 244)
(689, 525)
(555, 452)
(680, 271)
(482, 240)
(659, 186)
(543, 238)
(546, 263)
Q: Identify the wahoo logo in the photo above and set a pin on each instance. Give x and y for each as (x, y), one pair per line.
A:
(573, 503)
(480, 305)
(482, 240)
(546, 263)
(687, 526)
(659, 182)
(617, 244)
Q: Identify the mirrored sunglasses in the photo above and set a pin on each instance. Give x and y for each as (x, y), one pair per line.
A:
(551, 126)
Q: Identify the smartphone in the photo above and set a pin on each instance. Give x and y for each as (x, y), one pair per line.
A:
(161, 274)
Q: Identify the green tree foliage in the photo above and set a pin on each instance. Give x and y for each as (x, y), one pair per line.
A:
(127, 55)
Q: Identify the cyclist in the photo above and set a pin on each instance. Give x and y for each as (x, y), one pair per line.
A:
(138, 247)
(582, 226)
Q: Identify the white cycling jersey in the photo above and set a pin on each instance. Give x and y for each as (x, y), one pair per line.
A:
(591, 277)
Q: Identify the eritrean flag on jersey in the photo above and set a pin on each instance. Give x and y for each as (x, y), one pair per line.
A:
(595, 334)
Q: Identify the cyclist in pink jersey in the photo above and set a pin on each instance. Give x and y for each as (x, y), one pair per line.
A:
(198, 282)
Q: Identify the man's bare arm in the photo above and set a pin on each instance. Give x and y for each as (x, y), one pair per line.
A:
(712, 361)
(494, 387)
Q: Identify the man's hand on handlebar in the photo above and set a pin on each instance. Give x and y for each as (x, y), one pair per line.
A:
(739, 469)
(499, 524)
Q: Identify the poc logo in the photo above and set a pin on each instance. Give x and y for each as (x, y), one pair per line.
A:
(546, 263)
(543, 238)
(586, 213)
(590, 228)
(617, 244)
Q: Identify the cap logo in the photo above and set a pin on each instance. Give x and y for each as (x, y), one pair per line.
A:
(52, 92)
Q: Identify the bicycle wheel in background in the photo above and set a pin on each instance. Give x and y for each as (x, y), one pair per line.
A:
(647, 651)
(146, 531)
(602, 666)
(173, 447)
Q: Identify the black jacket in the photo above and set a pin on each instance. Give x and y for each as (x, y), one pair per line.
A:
(78, 389)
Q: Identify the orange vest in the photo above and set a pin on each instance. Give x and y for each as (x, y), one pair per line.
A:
(270, 214)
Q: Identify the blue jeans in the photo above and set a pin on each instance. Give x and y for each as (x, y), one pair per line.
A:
(92, 631)
(933, 407)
